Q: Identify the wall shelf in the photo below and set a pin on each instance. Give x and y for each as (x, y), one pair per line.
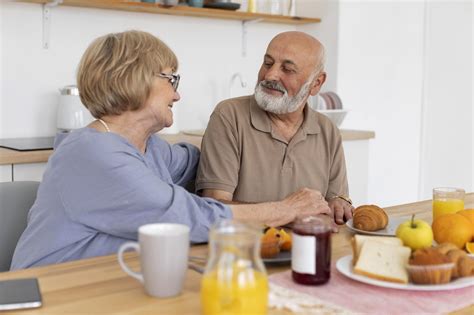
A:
(181, 11)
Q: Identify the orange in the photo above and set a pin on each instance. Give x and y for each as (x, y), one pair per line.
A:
(470, 247)
(453, 228)
(286, 240)
(468, 213)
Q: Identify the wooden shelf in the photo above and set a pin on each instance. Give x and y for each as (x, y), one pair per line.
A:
(181, 11)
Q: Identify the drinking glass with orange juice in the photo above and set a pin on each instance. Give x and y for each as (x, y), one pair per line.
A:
(235, 280)
(447, 200)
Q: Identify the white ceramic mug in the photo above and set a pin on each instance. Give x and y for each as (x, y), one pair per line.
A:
(163, 250)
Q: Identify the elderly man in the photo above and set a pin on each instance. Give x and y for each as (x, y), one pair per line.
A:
(265, 146)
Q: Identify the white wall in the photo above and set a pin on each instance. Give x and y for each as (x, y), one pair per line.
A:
(2, 27)
(376, 63)
(411, 84)
(209, 52)
(326, 32)
(447, 158)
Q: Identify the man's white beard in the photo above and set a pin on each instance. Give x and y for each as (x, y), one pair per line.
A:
(283, 104)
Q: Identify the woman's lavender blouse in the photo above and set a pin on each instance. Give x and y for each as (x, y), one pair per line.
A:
(98, 189)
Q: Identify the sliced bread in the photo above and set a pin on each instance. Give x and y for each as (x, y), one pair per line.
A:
(358, 240)
(383, 261)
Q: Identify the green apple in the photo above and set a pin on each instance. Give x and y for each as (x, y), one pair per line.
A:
(415, 234)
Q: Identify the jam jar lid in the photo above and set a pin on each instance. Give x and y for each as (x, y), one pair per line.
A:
(311, 225)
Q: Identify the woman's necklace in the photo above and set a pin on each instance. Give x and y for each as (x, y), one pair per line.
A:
(104, 124)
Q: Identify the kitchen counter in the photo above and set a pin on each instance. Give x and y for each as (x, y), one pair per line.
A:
(8, 156)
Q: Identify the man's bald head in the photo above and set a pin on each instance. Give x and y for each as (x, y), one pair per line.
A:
(304, 45)
(291, 71)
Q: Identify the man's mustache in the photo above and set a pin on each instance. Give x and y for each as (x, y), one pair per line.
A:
(274, 85)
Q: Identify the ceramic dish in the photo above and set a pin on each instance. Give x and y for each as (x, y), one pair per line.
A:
(344, 266)
(223, 5)
(282, 257)
(390, 229)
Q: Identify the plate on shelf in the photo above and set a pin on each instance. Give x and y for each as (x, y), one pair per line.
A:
(222, 5)
(390, 229)
(282, 257)
(344, 266)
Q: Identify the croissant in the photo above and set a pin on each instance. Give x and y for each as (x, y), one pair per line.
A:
(369, 218)
(455, 256)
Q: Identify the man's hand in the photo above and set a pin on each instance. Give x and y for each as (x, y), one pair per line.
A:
(341, 210)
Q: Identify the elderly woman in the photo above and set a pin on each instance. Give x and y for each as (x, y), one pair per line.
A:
(105, 180)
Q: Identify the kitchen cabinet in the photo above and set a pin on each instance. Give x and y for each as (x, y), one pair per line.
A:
(5, 173)
(22, 165)
(29, 171)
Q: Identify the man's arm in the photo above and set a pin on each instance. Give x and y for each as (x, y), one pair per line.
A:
(338, 186)
(220, 156)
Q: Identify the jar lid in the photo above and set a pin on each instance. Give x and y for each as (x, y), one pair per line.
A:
(311, 225)
(69, 90)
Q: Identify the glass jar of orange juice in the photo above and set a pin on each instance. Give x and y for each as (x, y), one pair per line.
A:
(447, 200)
(235, 280)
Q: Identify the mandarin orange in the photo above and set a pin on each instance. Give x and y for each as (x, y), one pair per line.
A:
(468, 213)
(453, 228)
(470, 247)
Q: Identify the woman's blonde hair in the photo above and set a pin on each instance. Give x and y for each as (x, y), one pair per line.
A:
(116, 72)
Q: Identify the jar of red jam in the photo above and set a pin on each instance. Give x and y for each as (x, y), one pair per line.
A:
(311, 251)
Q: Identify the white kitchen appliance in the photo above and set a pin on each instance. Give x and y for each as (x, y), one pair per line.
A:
(71, 114)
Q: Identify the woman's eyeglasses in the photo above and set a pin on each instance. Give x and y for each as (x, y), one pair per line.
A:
(173, 78)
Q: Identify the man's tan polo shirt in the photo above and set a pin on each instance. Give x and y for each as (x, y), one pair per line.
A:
(241, 154)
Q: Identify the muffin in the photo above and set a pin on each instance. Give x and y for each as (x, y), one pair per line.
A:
(269, 248)
(455, 256)
(465, 266)
(444, 248)
(270, 243)
(429, 266)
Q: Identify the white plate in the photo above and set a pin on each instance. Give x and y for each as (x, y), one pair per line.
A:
(344, 266)
(390, 229)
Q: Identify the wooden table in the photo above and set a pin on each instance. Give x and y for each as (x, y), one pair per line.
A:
(98, 285)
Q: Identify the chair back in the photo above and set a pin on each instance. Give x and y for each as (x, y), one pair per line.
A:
(16, 199)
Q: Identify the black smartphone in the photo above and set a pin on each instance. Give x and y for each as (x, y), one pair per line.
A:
(19, 293)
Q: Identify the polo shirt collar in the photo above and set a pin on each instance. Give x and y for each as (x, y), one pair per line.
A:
(311, 121)
(261, 121)
(258, 117)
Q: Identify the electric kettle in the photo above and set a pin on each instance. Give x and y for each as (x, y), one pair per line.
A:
(71, 113)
